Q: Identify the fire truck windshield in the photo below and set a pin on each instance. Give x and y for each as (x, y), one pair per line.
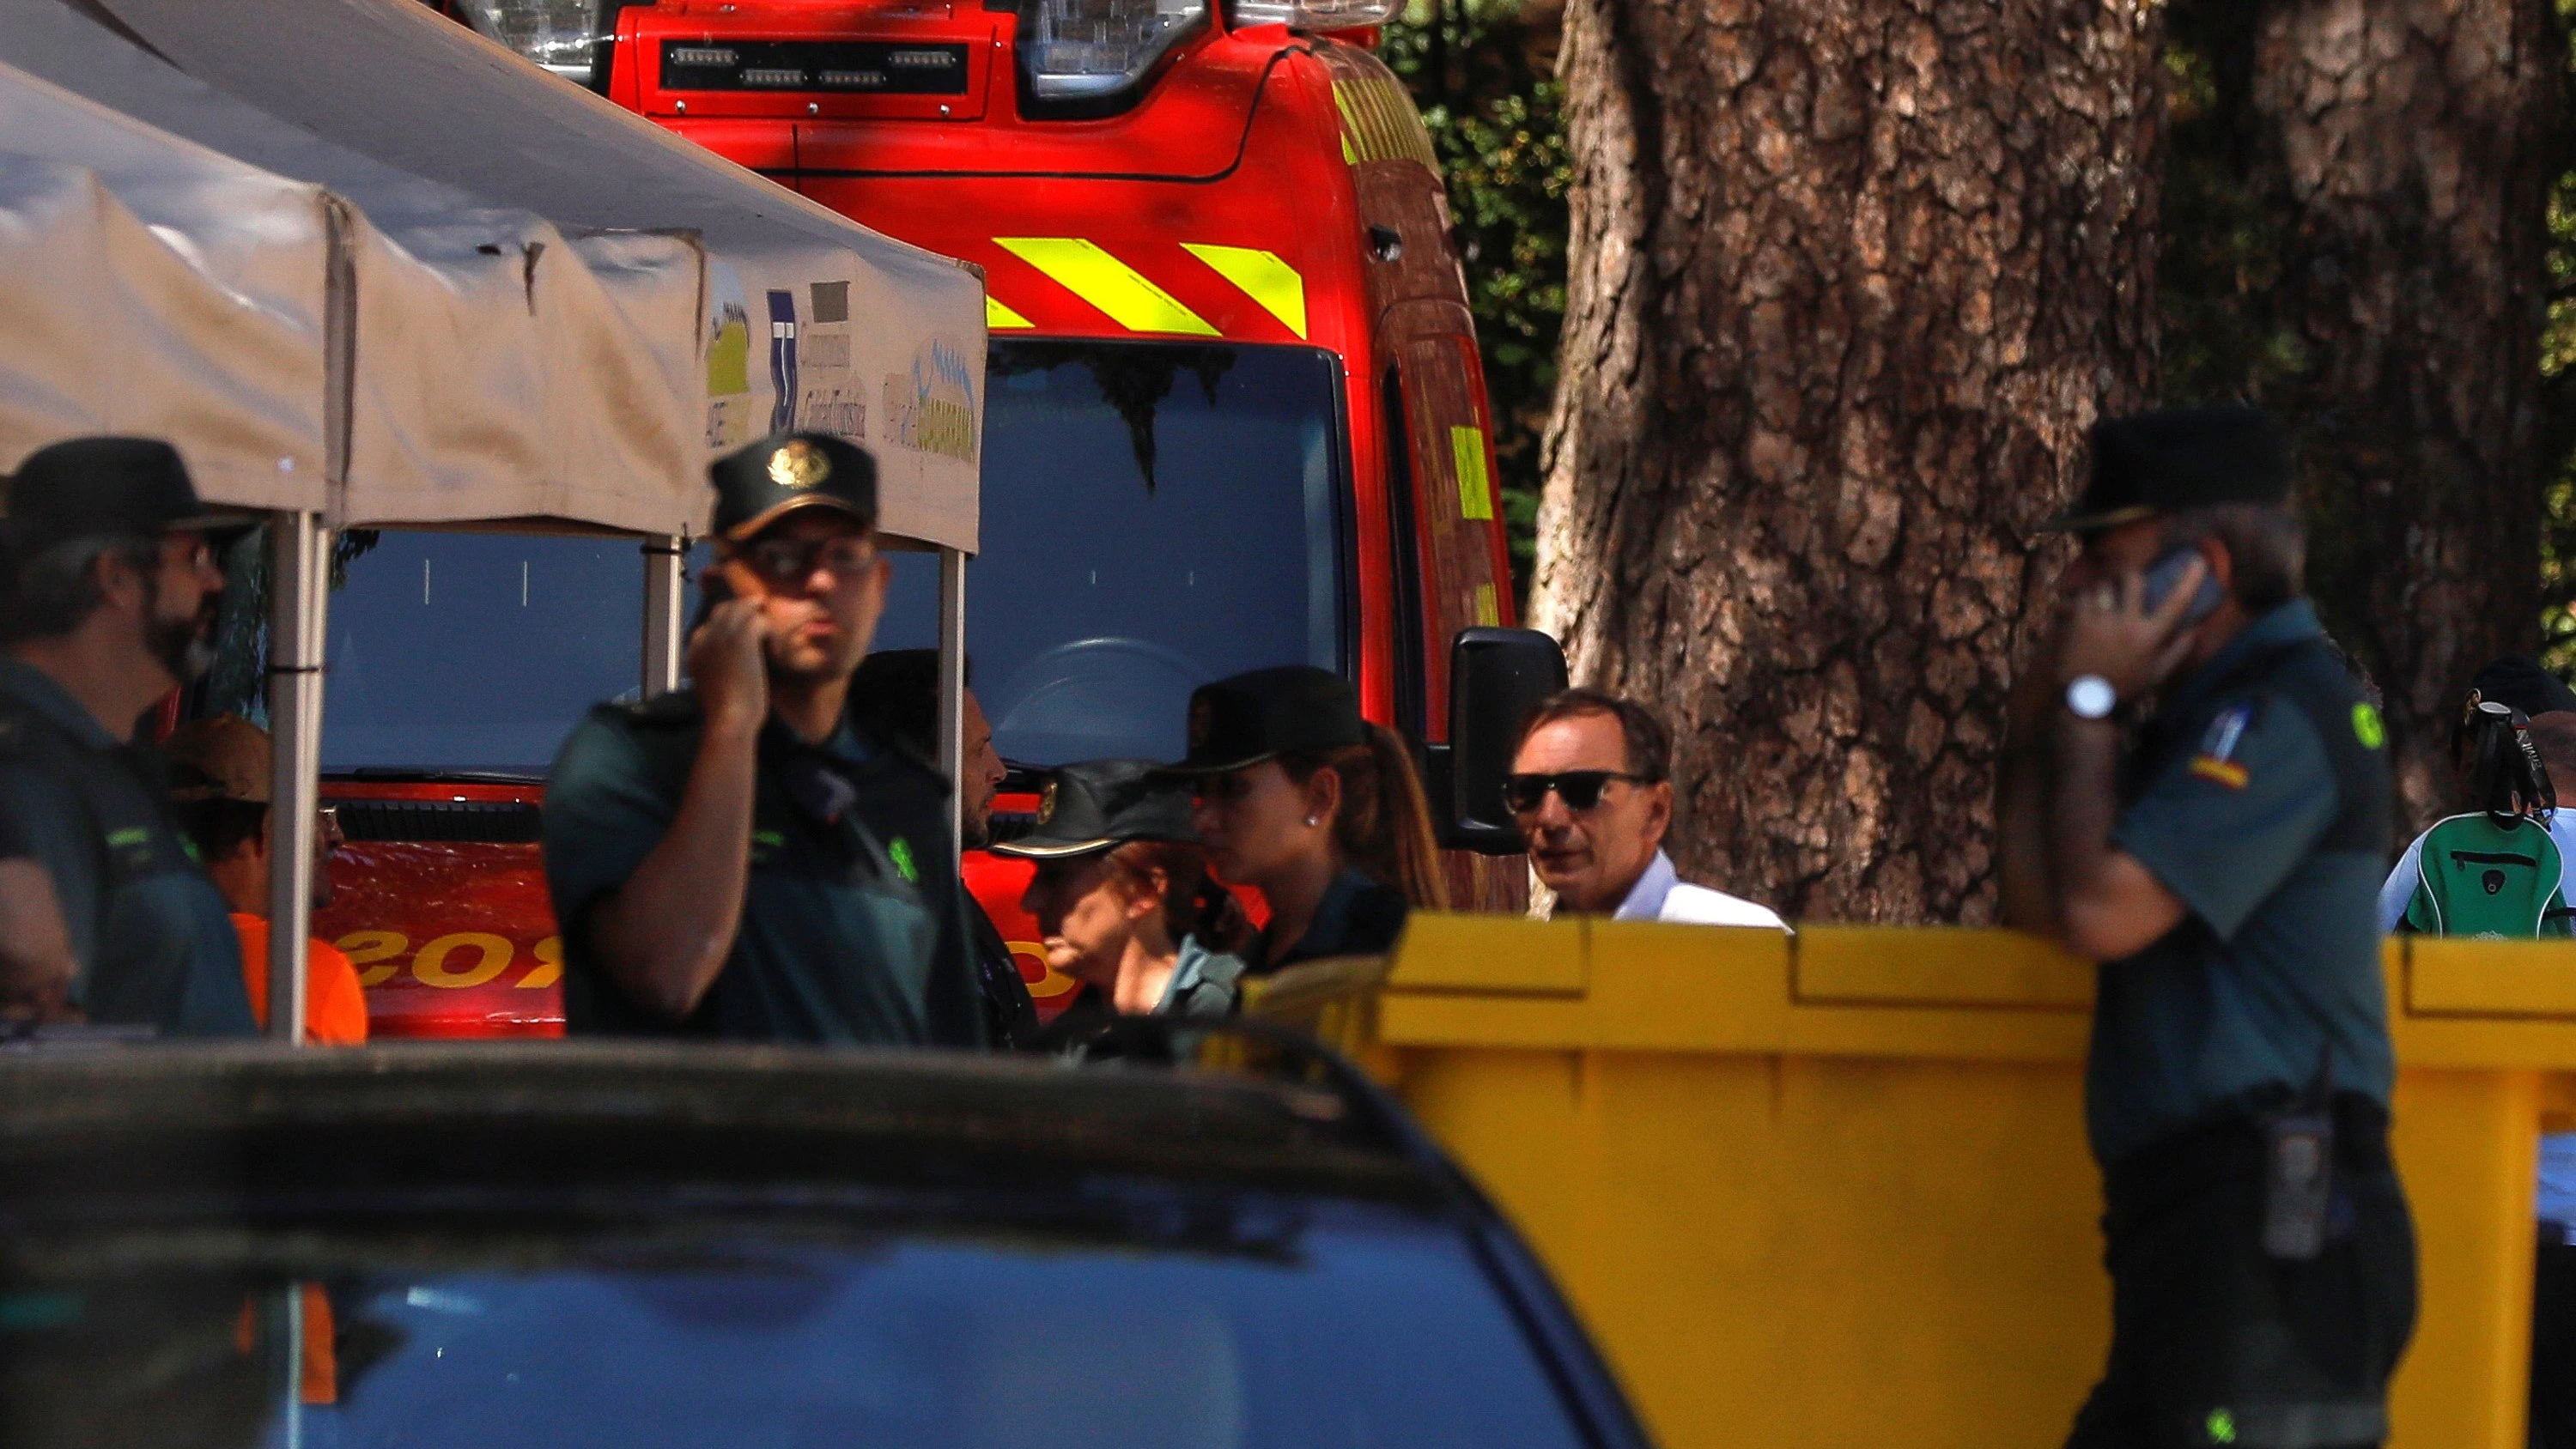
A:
(1154, 516)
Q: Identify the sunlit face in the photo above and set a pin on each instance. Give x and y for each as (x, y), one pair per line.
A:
(1085, 917)
(1590, 858)
(821, 587)
(1255, 822)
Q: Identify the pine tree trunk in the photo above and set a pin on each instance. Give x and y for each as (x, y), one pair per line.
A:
(2413, 144)
(1850, 280)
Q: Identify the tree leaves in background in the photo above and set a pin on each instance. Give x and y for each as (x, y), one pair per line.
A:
(1481, 72)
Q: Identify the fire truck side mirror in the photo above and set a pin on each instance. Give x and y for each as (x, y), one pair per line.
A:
(1496, 676)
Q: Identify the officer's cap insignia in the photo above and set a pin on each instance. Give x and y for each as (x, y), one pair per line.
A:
(1046, 803)
(798, 464)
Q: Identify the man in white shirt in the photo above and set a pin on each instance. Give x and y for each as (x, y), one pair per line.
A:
(1591, 790)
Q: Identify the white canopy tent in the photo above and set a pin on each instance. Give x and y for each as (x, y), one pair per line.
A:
(150, 286)
(378, 88)
(888, 339)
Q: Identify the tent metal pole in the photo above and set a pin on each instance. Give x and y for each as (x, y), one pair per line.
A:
(299, 582)
(952, 687)
(665, 586)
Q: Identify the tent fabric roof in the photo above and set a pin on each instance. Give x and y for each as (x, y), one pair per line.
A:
(494, 367)
(886, 340)
(148, 285)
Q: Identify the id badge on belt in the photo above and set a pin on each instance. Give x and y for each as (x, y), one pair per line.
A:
(2298, 1173)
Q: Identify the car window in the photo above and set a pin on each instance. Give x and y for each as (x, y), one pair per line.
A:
(1331, 1327)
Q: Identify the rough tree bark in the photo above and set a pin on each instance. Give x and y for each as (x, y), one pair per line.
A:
(2413, 144)
(1850, 279)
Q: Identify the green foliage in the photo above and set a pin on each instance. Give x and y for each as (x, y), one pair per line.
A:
(2558, 424)
(1480, 72)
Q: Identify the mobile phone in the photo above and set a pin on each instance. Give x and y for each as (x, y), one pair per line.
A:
(2166, 572)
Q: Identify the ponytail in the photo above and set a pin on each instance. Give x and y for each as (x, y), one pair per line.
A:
(1384, 824)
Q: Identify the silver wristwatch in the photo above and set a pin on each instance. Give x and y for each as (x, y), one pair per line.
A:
(2090, 696)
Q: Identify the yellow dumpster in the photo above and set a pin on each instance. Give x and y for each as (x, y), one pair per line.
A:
(1832, 1189)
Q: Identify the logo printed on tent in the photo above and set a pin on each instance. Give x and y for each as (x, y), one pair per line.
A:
(782, 360)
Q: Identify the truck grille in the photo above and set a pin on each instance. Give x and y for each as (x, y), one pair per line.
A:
(482, 822)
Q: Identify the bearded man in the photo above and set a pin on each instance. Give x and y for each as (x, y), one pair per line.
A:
(108, 588)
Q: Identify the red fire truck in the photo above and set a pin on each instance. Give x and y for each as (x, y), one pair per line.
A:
(1235, 418)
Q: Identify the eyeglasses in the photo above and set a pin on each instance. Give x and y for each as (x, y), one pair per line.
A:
(1579, 789)
(784, 561)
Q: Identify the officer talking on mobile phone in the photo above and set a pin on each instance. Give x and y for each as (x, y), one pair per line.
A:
(2195, 796)
(713, 854)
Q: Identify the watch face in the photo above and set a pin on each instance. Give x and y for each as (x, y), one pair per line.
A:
(2091, 697)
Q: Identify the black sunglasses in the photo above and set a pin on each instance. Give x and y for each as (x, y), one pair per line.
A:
(1579, 789)
(786, 561)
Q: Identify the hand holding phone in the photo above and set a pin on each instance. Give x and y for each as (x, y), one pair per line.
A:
(2134, 631)
(726, 664)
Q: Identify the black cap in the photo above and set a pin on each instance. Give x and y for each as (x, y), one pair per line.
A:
(2516, 681)
(102, 488)
(1251, 717)
(1097, 804)
(758, 485)
(2148, 464)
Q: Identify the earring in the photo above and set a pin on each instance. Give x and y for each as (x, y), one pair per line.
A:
(1313, 821)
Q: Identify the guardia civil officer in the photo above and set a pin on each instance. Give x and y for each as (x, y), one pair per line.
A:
(1122, 895)
(1302, 799)
(108, 604)
(710, 852)
(2195, 797)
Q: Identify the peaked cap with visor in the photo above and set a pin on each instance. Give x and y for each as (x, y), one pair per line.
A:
(758, 485)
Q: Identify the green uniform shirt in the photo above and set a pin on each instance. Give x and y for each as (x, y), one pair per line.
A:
(153, 937)
(1205, 984)
(837, 944)
(2258, 795)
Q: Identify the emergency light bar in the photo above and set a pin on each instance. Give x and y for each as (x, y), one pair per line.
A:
(1312, 15)
(881, 67)
(1074, 50)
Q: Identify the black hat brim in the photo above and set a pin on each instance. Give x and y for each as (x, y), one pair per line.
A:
(2097, 520)
(1192, 769)
(753, 526)
(1034, 847)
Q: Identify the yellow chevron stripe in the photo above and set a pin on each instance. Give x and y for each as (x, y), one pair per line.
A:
(1263, 277)
(1106, 283)
(1475, 484)
(997, 316)
(1487, 612)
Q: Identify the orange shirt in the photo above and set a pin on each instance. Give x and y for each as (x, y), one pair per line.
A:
(335, 1010)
